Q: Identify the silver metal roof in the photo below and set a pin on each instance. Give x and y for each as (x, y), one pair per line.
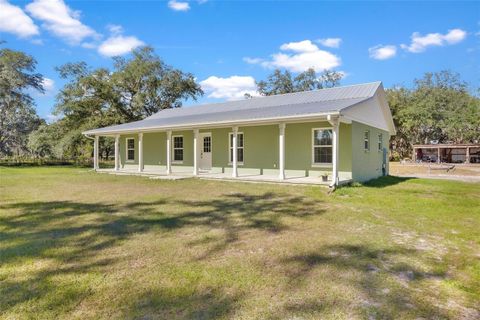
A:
(324, 101)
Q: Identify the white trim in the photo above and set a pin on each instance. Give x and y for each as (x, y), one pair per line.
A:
(140, 152)
(195, 151)
(380, 142)
(169, 152)
(126, 150)
(281, 151)
(313, 117)
(365, 138)
(320, 164)
(117, 152)
(230, 161)
(173, 149)
(95, 153)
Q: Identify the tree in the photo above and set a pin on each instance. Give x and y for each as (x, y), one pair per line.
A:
(136, 88)
(17, 113)
(282, 82)
(439, 107)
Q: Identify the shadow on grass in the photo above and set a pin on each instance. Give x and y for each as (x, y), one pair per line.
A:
(387, 285)
(208, 303)
(73, 234)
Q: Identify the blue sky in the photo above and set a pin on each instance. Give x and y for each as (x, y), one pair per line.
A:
(228, 44)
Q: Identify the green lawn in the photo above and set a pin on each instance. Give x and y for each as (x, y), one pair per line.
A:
(77, 245)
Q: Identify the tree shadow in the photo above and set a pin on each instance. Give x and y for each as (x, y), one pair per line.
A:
(372, 272)
(209, 303)
(74, 235)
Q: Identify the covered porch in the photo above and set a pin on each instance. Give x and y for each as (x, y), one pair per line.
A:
(242, 177)
(258, 144)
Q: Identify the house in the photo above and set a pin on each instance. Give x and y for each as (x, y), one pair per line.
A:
(341, 133)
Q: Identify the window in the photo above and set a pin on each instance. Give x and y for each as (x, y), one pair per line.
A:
(380, 142)
(322, 146)
(130, 149)
(366, 141)
(178, 148)
(207, 144)
(239, 147)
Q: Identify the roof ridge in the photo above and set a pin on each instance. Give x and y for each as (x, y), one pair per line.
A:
(276, 95)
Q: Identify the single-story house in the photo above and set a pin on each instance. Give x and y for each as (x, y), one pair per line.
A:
(340, 134)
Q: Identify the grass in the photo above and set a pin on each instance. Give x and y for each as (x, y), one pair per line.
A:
(78, 245)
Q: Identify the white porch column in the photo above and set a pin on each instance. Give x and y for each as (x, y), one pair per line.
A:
(169, 156)
(95, 153)
(467, 155)
(140, 152)
(234, 152)
(335, 124)
(281, 148)
(117, 149)
(195, 152)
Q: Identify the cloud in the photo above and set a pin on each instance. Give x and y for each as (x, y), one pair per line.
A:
(62, 21)
(381, 52)
(231, 88)
(178, 5)
(115, 28)
(303, 55)
(118, 45)
(48, 85)
(14, 20)
(420, 43)
(330, 42)
(301, 46)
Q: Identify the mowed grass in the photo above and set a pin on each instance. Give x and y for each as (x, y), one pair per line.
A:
(80, 245)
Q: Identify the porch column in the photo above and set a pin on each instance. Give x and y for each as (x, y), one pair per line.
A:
(438, 155)
(117, 158)
(281, 148)
(95, 153)
(169, 156)
(195, 152)
(234, 152)
(467, 155)
(140, 152)
(335, 124)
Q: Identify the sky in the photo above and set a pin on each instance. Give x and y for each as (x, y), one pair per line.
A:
(229, 44)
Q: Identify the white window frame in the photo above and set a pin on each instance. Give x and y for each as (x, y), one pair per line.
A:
(380, 142)
(366, 138)
(127, 149)
(320, 164)
(182, 148)
(230, 161)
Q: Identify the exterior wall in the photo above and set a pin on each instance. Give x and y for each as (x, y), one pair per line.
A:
(261, 150)
(367, 165)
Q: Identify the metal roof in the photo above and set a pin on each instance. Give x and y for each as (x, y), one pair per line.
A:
(323, 101)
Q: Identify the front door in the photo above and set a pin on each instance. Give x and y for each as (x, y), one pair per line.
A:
(206, 151)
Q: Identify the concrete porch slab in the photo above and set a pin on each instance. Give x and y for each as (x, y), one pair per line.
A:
(259, 178)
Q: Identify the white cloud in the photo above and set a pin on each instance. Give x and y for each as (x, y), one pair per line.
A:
(14, 20)
(53, 118)
(252, 60)
(118, 45)
(301, 46)
(330, 42)
(231, 88)
(59, 19)
(420, 43)
(115, 28)
(382, 52)
(48, 85)
(304, 55)
(178, 5)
